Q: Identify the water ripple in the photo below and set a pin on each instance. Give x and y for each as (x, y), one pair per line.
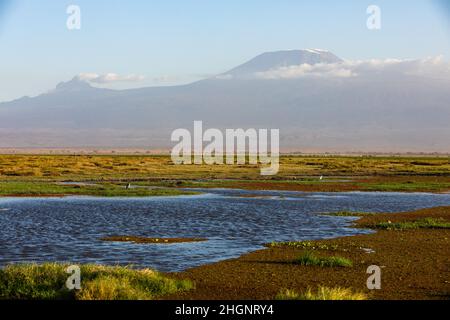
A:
(233, 221)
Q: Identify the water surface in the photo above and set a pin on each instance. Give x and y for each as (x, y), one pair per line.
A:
(234, 221)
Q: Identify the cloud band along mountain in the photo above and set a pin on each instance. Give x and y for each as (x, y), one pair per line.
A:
(317, 100)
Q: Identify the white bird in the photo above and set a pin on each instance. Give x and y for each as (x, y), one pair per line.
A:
(321, 177)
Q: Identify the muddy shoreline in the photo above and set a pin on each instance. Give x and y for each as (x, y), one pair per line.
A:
(415, 265)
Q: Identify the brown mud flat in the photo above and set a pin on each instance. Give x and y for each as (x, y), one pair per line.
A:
(415, 264)
(43, 195)
(435, 184)
(150, 240)
(287, 186)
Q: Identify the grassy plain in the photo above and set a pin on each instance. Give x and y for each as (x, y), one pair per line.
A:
(38, 174)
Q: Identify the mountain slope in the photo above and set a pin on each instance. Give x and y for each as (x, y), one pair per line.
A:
(378, 111)
(277, 59)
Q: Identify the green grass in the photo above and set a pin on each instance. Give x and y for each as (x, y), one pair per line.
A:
(347, 214)
(47, 282)
(322, 293)
(100, 190)
(309, 259)
(310, 245)
(427, 223)
(406, 186)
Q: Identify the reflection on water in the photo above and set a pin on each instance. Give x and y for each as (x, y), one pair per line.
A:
(234, 221)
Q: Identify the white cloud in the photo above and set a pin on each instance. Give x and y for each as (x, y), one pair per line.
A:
(109, 78)
(304, 70)
(433, 67)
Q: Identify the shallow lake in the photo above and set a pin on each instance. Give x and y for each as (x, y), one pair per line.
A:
(234, 222)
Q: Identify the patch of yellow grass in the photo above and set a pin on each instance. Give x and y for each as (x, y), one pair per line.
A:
(47, 282)
(322, 293)
(60, 167)
(110, 288)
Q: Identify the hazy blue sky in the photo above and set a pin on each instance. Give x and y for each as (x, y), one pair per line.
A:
(172, 42)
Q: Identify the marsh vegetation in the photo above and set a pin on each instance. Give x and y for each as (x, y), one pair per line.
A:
(39, 173)
(47, 282)
(322, 293)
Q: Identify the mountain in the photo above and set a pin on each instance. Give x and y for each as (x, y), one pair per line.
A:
(74, 85)
(272, 60)
(322, 104)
